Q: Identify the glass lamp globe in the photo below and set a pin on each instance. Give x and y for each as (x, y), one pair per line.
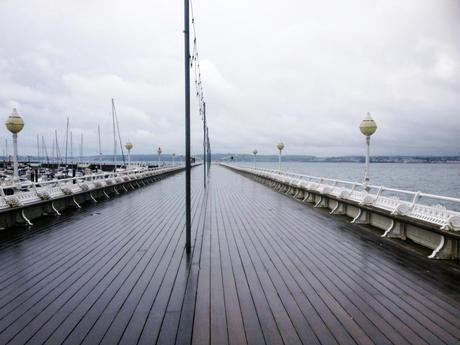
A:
(368, 125)
(14, 123)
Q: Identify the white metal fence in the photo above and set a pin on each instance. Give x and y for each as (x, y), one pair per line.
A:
(397, 201)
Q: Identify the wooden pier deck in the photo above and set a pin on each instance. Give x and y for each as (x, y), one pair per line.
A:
(264, 269)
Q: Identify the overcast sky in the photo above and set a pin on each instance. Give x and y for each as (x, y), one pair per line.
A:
(302, 72)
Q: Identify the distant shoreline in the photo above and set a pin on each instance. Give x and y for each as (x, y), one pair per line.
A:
(341, 159)
(265, 158)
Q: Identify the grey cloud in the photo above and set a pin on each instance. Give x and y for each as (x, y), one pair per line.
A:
(304, 72)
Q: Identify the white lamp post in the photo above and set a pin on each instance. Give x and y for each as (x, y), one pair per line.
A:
(15, 124)
(254, 152)
(129, 147)
(159, 151)
(173, 158)
(280, 148)
(367, 127)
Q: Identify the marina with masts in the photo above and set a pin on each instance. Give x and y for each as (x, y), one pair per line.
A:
(58, 165)
(40, 188)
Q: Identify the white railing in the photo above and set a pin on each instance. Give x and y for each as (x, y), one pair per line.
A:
(97, 163)
(48, 190)
(397, 201)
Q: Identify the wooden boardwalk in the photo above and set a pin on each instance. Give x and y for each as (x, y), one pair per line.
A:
(264, 269)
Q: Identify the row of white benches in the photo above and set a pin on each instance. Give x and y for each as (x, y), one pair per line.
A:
(56, 189)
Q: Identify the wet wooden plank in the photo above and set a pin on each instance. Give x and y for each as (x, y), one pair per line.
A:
(320, 228)
(181, 305)
(284, 255)
(66, 295)
(187, 312)
(252, 326)
(201, 320)
(234, 318)
(407, 310)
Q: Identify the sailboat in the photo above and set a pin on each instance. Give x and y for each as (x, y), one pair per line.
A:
(116, 130)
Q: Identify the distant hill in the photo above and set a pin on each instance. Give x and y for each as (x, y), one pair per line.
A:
(274, 158)
(357, 159)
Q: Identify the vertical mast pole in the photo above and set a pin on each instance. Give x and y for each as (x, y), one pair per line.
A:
(188, 218)
(100, 151)
(52, 150)
(204, 144)
(45, 151)
(38, 156)
(209, 148)
(57, 148)
(38, 147)
(71, 148)
(81, 148)
(66, 140)
(114, 137)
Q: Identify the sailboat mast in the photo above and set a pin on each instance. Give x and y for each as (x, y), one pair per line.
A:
(100, 151)
(119, 135)
(66, 140)
(45, 151)
(6, 150)
(38, 147)
(114, 136)
(71, 148)
(53, 149)
(81, 148)
(58, 154)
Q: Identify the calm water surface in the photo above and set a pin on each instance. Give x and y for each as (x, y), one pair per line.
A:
(440, 179)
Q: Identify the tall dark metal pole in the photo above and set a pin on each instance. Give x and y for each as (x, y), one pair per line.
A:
(209, 154)
(204, 144)
(188, 217)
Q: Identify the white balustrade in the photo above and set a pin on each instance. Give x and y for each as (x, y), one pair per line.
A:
(371, 196)
(48, 190)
